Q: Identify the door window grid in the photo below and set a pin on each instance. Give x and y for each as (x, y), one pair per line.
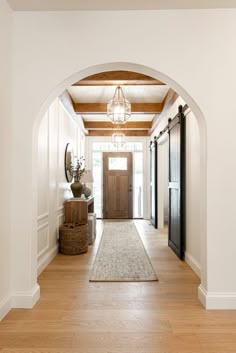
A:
(110, 147)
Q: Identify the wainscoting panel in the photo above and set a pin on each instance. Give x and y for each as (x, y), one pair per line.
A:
(5, 306)
(43, 239)
(42, 217)
(60, 220)
(56, 130)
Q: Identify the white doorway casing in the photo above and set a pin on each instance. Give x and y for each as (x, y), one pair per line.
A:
(42, 67)
(138, 68)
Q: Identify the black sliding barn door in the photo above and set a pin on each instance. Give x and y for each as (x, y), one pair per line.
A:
(176, 130)
(153, 183)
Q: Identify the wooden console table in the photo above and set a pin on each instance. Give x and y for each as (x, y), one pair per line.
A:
(77, 209)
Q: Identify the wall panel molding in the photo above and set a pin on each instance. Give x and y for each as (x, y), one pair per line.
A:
(43, 216)
(43, 239)
(60, 208)
(46, 259)
(5, 306)
(42, 226)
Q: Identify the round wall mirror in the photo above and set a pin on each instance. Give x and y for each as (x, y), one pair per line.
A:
(69, 156)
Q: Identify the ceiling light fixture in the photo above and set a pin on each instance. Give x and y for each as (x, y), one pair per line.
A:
(119, 108)
(118, 139)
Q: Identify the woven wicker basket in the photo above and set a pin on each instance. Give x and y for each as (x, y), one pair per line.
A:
(73, 238)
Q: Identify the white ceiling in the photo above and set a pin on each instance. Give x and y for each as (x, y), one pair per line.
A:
(102, 94)
(95, 5)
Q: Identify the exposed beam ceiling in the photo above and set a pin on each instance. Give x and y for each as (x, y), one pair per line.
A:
(103, 94)
(148, 97)
(109, 125)
(68, 106)
(116, 78)
(104, 118)
(126, 132)
(169, 100)
(101, 108)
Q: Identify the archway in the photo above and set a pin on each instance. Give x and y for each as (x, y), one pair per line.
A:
(187, 98)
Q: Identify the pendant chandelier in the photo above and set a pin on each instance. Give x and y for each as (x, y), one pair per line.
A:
(119, 108)
(118, 139)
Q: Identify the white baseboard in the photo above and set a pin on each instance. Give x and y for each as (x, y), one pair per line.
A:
(195, 266)
(26, 300)
(217, 300)
(202, 294)
(46, 259)
(5, 307)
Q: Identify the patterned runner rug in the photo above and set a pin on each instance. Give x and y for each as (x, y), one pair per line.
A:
(121, 255)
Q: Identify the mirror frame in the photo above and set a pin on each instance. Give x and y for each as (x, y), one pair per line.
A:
(69, 157)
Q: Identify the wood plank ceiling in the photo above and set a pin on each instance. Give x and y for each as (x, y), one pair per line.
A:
(149, 98)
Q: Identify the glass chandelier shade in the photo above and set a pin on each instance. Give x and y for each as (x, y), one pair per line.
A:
(119, 108)
(118, 138)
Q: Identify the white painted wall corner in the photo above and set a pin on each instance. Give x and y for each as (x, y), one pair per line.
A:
(26, 300)
(47, 258)
(5, 306)
(193, 263)
(217, 300)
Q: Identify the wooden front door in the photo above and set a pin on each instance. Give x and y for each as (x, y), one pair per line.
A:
(117, 185)
(177, 184)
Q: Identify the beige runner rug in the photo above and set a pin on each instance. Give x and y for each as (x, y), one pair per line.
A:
(121, 255)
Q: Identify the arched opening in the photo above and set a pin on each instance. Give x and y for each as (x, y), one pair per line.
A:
(186, 97)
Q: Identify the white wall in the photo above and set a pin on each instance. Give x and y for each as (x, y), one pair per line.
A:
(52, 50)
(57, 128)
(5, 157)
(193, 191)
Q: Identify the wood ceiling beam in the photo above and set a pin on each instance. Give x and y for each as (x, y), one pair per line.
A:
(101, 108)
(110, 132)
(109, 125)
(168, 101)
(118, 83)
(68, 104)
(114, 78)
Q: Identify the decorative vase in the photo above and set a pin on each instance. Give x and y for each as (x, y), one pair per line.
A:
(86, 191)
(77, 188)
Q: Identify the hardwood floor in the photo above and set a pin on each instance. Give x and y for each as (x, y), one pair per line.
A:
(76, 316)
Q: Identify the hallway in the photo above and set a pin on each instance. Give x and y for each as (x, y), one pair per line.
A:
(75, 316)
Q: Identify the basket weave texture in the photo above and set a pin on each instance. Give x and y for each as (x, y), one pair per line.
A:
(73, 238)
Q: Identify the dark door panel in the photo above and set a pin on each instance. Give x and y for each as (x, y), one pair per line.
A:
(177, 184)
(153, 183)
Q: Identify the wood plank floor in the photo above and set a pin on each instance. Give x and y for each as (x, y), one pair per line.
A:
(76, 316)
